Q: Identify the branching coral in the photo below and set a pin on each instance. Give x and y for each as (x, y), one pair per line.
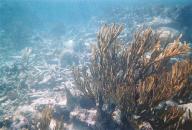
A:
(46, 118)
(137, 77)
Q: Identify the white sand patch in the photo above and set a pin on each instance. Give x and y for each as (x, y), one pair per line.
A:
(25, 108)
(160, 20)
(53, 99)
(85, 115)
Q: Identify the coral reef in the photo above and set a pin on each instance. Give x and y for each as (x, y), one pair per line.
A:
(137, 78)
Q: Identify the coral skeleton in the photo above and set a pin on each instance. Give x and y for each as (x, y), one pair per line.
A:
(138, 77)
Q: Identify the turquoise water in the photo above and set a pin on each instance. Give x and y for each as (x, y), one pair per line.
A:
(26, 16)
(43, 14)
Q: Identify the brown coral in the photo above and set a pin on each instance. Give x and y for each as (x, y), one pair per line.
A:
(46, 116)
(138, 76)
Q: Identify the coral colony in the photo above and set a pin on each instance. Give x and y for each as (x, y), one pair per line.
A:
(137, 78)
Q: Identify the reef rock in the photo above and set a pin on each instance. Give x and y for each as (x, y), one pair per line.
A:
(68, 57)
(167, 34)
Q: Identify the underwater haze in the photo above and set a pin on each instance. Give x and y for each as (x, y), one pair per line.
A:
(42, 41)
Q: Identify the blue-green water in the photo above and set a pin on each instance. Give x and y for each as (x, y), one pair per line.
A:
(20, 18)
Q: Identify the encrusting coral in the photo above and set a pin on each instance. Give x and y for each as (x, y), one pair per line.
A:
(138, 78)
